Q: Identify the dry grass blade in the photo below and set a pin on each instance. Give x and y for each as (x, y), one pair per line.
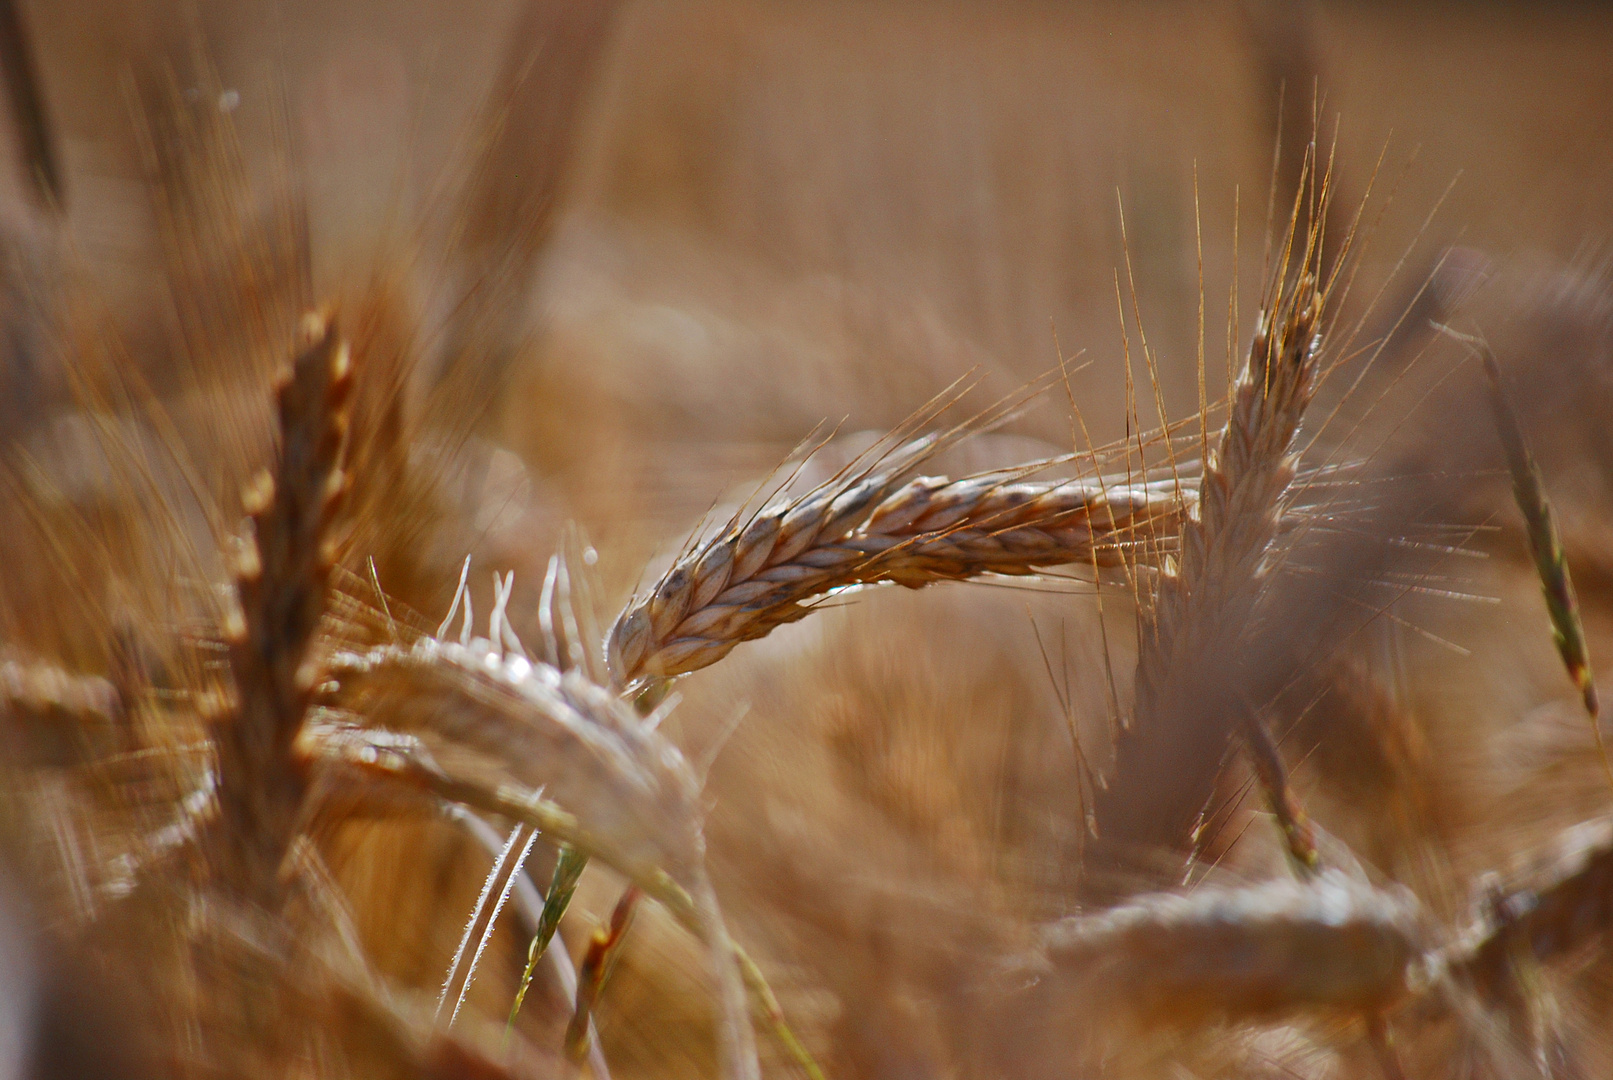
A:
(283, 567)
(1184, 704)
(762, 573)
(568, 870)
(1279, 948)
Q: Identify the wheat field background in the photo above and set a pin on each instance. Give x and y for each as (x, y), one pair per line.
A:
(1245, 724)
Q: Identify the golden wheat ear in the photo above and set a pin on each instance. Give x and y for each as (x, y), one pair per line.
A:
(766, 572)
(283, 565)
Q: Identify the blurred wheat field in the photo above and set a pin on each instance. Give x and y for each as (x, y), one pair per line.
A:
(455, 454)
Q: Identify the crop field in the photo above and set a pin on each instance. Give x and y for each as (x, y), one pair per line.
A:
(822, 539)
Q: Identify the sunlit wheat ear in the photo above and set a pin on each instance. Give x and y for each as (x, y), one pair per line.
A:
(283, 564)
(762, 573)
(1199, 608)
(1281, 948)
(579, 742)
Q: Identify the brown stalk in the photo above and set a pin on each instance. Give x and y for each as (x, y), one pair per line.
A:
(283, 567)
(1568, 903)
(604, 948)
(762, 573)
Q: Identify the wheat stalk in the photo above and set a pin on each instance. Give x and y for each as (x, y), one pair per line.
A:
(762, 573)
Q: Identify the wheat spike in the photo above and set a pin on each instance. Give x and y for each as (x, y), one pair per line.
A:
(1184, 708)
(283, 567)
(760, 574)
(579, 742)
(1278, 948)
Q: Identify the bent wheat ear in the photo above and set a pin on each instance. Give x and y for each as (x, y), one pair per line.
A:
(1276, 949)
(579, 742)
(761, 575)
(283, 568)
(364, 755)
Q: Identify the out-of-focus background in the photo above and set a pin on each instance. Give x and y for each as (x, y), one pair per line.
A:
(649, 247)
(775, 213)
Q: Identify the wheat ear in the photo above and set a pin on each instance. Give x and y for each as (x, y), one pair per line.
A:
(282, 569)
(399, 764)
(1274, 949)
(762, 573)
(1202, 605)
(1545, 541)
(579, 742)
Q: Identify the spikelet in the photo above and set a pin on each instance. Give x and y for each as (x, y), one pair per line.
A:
(283, 568)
